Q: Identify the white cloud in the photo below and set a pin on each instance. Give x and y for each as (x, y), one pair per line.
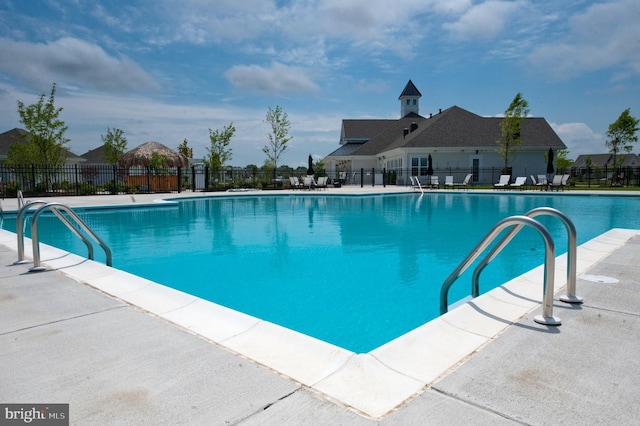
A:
(580, 139)
(604, 36)
(276, 79)
(486, 19)
(70, 60)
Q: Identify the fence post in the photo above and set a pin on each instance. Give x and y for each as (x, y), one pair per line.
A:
(75, 167)
(384, 177)
(179, 179)
(33, 178)
(193, 178)
(206, 178)
(361, 177)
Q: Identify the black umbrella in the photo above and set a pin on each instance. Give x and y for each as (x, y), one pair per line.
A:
(550, 168)
(310, 168)
(429, 165)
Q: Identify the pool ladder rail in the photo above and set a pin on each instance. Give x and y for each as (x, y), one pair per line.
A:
(517, 223)
(71, 220)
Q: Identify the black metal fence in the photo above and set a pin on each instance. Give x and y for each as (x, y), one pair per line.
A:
(68, 180)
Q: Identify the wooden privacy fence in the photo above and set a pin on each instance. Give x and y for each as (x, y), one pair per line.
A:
(153, 183)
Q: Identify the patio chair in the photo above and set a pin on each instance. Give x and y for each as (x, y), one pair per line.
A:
(448, 181)
(536, 183)
(503, 183)
(309, 182)
(520, 182)
(322, 182)
(295, 182)
(434, 182)
(557, 182)
(466, 181)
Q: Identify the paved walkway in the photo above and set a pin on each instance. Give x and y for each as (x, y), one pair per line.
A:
(62, 341)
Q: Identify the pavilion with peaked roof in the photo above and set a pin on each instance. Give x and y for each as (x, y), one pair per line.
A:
(458, 141)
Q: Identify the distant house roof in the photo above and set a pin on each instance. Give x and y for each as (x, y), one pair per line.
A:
(17, 135)
(95, 156)
(9, 138)
(452, 128)
(606, 160)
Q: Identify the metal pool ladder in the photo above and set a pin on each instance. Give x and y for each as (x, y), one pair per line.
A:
(517, 223)
(71, 221)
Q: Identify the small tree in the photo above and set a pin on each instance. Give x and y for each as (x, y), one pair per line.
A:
(158, 163)
(219, 152)
(46, 130)
(115, 144)
(622, 135)
(185, 149)
(279, 136)
(562, 160)
(510, 141)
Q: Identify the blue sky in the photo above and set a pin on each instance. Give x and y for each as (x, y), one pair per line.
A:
(169, 70)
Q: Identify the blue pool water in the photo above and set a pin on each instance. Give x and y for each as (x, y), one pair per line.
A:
(355, 271)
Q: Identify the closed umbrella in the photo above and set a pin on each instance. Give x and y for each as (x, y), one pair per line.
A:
(310, 171)
(550, 168)
(429, 167)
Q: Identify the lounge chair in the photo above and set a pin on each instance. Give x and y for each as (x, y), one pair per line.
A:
(503, 183)
(557, 182)
(448, 181)
(295, 182)
(536, 183)
(309, 182)
(433, 182)
(322, 182)
(465, 182)
(520, 182)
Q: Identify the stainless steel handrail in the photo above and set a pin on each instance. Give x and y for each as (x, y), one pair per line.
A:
(20, 226)
(20, 199)
(547, 317)
(55, 208)
(570, 297)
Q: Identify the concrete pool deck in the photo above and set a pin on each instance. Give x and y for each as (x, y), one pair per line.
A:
(152, 359)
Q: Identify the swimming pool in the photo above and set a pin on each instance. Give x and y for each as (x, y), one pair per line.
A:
(355, 271)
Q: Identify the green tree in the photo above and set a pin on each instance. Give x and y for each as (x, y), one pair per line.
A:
(158, 163)
(46, 141)
(219, 152)
(510, 140)
(279, 136)
(621, 135)
(185, 149)
(115, 144)
(562, 160)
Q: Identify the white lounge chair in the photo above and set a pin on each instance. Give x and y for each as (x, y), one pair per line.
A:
(503, 183)
(465, 182)
(295, 182)
(309, 182)
(434, 182)
(536, 183)
(520, 182)
(448, 181)
(556, 182)
(322, 182)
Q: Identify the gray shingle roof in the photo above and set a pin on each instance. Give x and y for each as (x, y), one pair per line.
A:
(95, 156)
(452, 128)
(9, 138)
